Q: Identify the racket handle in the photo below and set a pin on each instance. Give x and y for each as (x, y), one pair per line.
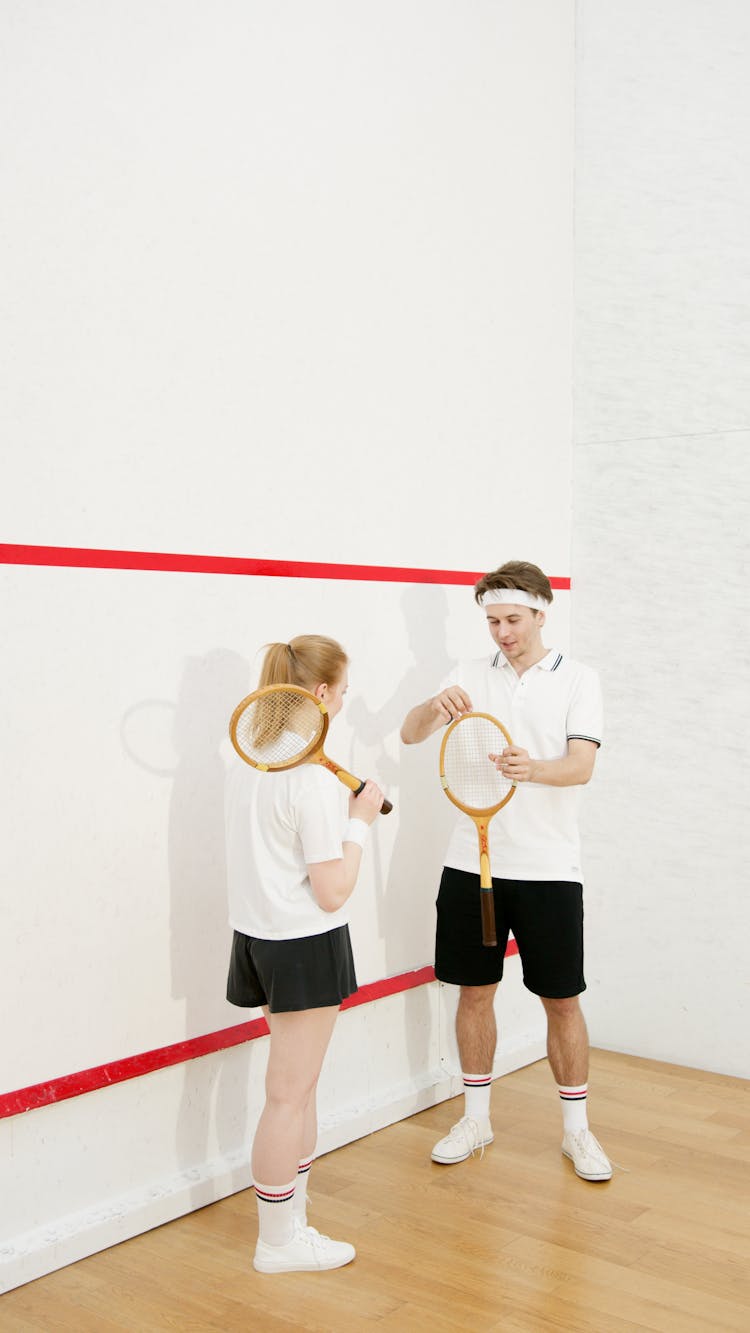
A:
(489, 934)
(387, 805)
(357, 785)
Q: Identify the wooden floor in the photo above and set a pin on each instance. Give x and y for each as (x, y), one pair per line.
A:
(512, 1240)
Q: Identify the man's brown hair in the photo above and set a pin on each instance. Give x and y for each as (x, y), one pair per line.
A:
(515, 574)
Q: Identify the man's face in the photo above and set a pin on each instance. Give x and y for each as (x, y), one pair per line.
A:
(515, 629)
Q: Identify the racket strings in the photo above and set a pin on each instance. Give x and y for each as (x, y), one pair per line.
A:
(469, 772)
(278, 728)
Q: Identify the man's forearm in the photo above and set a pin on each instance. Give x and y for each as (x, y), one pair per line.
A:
(571, 771)
(420, 723)
(435, 713)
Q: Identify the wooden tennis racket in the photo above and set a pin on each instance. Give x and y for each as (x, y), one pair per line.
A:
(282, 726)
(471, 781)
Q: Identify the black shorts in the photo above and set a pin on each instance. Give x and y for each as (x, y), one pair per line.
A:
(546, 917)
(311, 973)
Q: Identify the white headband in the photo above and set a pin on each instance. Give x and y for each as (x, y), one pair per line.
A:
(512, 597)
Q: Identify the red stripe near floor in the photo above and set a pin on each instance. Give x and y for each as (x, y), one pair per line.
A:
(103, 1076)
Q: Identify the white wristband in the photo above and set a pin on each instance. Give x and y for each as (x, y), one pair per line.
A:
(356, 831)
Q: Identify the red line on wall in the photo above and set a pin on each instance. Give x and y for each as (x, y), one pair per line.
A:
(376, 990)
(75, 557)
(135, 1066)
(81, 557)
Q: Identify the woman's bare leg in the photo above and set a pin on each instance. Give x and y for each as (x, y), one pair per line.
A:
(287, 1129)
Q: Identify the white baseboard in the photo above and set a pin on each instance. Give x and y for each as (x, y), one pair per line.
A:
(78, 1235)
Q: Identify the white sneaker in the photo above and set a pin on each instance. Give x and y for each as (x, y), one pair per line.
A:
(306, 1252)
(587, 1155)
(462, 1141)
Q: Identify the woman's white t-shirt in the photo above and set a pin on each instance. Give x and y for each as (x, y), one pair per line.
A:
(276, 825)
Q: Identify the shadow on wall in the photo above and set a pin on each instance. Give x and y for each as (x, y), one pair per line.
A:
(210, 688)
(407, 888)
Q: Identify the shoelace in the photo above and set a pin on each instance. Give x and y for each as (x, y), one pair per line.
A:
(580, 1138)
(468, 1129)
(315, 1238)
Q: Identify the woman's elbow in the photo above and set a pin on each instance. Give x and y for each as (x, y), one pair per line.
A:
(331, 902)
(326, 897)
(329, 892)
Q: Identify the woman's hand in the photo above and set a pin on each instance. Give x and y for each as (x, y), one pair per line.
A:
(367, 805)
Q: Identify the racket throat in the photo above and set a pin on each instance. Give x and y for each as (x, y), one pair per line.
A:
(355, 785)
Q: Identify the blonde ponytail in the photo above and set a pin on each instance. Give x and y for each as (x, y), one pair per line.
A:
(308, 660)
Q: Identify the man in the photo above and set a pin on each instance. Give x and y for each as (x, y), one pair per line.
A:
(552, 708)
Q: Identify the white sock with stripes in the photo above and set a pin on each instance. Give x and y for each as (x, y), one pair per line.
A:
(477, 1089)
(574, 1109)
(300, 1194)
(275, 1223)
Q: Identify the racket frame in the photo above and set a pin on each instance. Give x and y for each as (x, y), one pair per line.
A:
(315, 744)
(481, 820)
(313, 752)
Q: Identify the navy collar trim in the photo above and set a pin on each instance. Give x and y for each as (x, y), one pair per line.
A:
(549, 663)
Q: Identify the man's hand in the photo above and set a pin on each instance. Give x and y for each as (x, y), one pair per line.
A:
(514, 764)
(435, 713)
(450, 704)
(570, 770)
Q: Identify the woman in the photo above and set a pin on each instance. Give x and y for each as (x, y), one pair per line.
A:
(294, 845)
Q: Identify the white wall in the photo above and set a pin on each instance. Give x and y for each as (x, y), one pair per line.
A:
(334, 233)
(661, 518)
(282, 279)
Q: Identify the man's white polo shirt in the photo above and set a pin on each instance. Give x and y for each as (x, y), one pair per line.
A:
(535, 836)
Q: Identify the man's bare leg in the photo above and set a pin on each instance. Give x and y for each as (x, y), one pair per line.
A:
(476, 1034)
(568, 1054)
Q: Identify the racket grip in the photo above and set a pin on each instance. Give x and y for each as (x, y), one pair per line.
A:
(387, 805)
(357, 785)
(489, 933)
